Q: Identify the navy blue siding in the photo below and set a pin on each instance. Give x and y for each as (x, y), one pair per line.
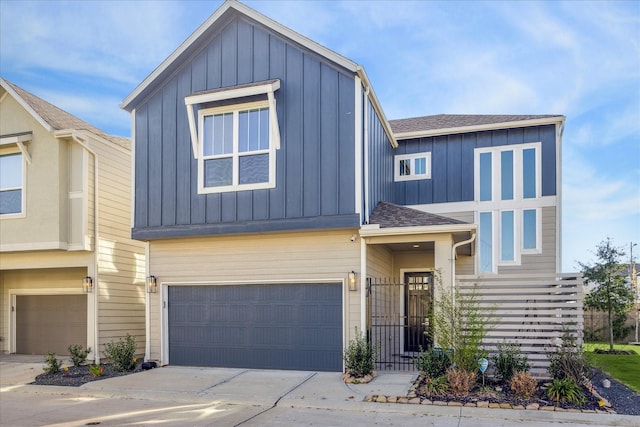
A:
(452, 163)
(380, 162)
(315, 173)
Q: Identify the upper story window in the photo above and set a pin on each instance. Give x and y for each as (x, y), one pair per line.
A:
(508, 182)
(235, 144)
(236, 149)
(11, 184)
(412, 166)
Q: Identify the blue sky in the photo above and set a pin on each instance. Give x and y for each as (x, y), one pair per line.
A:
(579, 59)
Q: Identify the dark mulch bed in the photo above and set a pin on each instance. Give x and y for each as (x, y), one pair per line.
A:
(75, 376)
(624, 400)
(490, 394)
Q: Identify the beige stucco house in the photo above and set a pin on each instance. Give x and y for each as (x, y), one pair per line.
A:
(69, 271)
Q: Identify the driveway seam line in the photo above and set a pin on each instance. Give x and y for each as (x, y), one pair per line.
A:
(278, 400)
(226, 380)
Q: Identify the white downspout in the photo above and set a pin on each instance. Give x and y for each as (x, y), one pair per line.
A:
(453, 263)
(366, 155)
(96, 348)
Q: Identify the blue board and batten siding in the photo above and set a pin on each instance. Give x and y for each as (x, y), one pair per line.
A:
(380, 158)
(452, 163)
(315, 174)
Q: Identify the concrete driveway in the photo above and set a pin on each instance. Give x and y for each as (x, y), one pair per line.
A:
(229, 397)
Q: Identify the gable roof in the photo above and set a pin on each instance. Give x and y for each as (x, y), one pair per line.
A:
(389, 215)
(187, 48)
(442, 124)
(53, 118)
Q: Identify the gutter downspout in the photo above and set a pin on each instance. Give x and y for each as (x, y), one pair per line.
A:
(366, 155)
(453, 263)
(96, 348)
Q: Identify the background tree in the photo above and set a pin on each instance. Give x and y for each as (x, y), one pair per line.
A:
(611, 293)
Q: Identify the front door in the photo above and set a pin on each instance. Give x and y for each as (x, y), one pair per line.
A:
(418, 304)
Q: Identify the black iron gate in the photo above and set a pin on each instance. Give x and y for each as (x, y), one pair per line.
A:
(398, 316)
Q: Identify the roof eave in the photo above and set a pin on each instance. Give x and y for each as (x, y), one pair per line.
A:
(126, 104)
(477, 128)
(374, 230)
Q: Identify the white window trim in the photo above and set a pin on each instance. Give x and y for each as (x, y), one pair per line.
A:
(518, 205)
(25, 160)
(235, 155)
(267, 88)
(397, 159)
(538, 248)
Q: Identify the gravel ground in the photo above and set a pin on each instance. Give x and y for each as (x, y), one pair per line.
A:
(624, 400)
(75, 376)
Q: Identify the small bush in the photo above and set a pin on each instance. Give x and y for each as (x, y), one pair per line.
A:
(359, 357)
(565, 390)
(96, 370)
(523, 384)
(568, 361)
(460, 380)
(52, 364)
(77, 354)
(508, 361)
(434, 363)
(435, 386)
(122, 353)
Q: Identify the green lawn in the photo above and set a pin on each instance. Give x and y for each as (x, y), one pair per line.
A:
(623, 368)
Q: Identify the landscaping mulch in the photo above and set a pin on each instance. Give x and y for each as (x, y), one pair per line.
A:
(623, 400)
(75, 376)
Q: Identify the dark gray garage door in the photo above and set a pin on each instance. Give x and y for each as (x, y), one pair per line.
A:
(49, 323)
(274, 326)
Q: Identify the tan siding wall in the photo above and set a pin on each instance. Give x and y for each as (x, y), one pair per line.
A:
(423, 261)
(379, 261)
(121, 266)
(42, 223)
(309, 256)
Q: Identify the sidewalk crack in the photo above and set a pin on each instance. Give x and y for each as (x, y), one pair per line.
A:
(278, 400)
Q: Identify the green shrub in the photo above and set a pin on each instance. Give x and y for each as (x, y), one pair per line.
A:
(434, 363)
(565, 390)
(568, 361)
(359, 356)
(508, 361)
(96, 370)
(52, 364)
(77, 354)
(122, 353)
(435, 386)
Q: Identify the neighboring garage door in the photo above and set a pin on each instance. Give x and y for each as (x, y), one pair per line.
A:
(273, 326)
(49, 323)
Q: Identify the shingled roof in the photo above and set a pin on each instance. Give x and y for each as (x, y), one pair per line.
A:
(59, 119)
(450, 121)
(388, 215)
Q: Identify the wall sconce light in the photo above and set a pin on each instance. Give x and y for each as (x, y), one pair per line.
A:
(352, 281)
(87, 284)
(152, 285)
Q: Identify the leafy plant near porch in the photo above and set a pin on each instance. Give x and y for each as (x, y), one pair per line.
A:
(359, 356)
(460, 323)
(508, 361)
(52, 364)
(434, 362)
(568, 360)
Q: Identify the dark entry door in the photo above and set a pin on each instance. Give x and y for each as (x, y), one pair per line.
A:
(418, 304)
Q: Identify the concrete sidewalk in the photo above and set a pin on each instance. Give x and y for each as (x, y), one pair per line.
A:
(284, 389)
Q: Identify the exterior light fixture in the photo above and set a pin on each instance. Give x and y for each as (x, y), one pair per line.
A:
(87, 284)
(152, 285)
(352, 281)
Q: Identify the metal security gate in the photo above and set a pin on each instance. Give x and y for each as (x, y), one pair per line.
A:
(270, 326)
(398, 315)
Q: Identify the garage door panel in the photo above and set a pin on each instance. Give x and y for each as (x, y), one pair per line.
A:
(49, 323)
(288, 326)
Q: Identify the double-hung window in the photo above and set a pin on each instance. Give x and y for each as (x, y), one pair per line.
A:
(410, 167)
(235, 143)
(236, 150)
(508, 184)
(11, 184)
